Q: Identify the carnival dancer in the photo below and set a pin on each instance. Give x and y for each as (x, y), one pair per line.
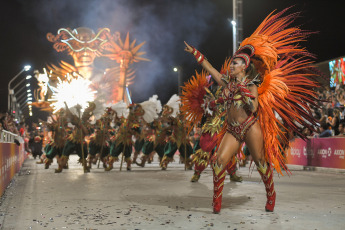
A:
(76, 140)
(121, 112)
(273, 51)
(56, 124)
(148, 146)
(148, 132)
(178, 140)
(139, 137)
(139, 114)
(200, 94)
(99, 147)
(161, 132)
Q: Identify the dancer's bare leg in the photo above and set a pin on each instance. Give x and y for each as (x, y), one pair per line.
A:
(255, 143)
(227, 149)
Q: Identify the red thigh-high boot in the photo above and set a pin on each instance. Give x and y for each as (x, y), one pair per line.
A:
(267, 177)
(218, 183)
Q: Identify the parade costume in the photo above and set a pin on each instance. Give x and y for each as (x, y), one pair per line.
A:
(152, 108)
(139, 142)
(194, 95)
(99, 147)
(57, 127)
(169, 120)
(148, 146)
(75, 141)
(178, 141)
(122, 144)
(162, 131)
(283, 68)
(139, 114)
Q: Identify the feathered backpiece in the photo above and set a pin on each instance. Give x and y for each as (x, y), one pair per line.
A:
(287, 88)
(121, 109)
(151, 108)
(172, 107)
(192, 98)
(158, 103)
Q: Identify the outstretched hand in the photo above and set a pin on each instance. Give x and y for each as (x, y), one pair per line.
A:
(188, 48)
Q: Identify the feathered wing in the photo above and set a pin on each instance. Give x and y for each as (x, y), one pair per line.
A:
(158, 103)
(174, 102)
(193, 93)
(192, 98)
(121, 109)
(287, 88)
(150, 108)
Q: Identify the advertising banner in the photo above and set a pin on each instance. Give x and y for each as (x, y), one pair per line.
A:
(318, 152)
(12, 157)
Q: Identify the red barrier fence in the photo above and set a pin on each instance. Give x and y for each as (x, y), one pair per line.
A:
(12, 157)
(318, 152)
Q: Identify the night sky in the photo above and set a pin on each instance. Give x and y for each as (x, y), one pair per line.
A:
(164, 25)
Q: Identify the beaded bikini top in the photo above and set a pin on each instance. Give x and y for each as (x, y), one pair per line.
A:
(237, 92)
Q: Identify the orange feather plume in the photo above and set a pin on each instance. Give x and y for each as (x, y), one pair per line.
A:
(287, 91)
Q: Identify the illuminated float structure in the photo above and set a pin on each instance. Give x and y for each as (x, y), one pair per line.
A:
(107, 86)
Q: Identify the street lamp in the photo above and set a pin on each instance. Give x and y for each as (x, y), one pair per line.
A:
(10, 91)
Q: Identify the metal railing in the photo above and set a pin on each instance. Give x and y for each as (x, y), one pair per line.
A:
(8, 137)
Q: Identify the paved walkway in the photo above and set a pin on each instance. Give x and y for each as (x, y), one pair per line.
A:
(149, 198)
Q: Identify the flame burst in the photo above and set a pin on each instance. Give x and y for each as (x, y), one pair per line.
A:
(74, 92)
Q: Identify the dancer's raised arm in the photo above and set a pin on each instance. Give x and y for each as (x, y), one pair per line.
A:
(200, 58)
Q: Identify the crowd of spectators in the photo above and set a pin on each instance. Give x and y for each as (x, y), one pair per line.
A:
(330, 113)
(8, 123)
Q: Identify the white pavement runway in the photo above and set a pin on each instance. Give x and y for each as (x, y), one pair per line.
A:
(149, 198)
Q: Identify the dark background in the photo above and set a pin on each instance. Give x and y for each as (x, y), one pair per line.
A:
(163, 24)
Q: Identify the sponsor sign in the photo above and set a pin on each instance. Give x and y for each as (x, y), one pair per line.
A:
(11, 160)
(318, 152)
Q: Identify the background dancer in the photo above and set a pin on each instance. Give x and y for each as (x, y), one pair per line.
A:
(199, 103)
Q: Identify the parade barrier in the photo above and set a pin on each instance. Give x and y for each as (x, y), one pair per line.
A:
(318, 152)
(12, 157)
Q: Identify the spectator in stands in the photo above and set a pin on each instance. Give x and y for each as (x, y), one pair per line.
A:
(324, 130)
(341, 129)
(22, 129)
(11, 125)
(334, 121)
(307, 132)
(3, 119)
(340, 95)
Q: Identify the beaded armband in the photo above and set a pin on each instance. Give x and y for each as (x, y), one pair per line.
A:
(198, 56)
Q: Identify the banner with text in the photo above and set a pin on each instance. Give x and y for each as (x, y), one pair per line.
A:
(318, 152)
(12, 157)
